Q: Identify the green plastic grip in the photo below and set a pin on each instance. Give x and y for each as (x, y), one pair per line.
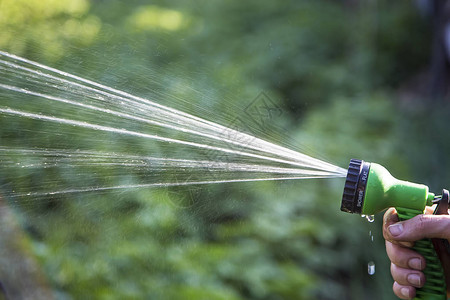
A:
(434, 288)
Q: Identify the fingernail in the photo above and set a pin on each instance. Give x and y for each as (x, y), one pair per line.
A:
(415, 263)
(414, 279)
(396, 229)
(405, 292)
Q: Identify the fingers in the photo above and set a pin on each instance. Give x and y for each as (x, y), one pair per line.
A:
(419, 227)
(407, 277)
(404, 292)
(405, 257)
(406, 264)
(390, 218)
(429, 210)
(405, 269)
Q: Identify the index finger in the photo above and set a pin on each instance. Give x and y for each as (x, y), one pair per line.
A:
(390, 217)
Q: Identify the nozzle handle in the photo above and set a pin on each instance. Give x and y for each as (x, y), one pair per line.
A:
(435, 287)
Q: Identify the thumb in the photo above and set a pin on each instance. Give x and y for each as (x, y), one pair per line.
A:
(419, 227)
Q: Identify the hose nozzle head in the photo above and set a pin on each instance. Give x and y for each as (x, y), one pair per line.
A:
(355, 186)
(370, 188)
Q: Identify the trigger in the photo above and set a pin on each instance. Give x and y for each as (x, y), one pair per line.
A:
(442, 209)
(442, 205)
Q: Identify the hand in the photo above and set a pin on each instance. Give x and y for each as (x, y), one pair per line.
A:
(406, 264)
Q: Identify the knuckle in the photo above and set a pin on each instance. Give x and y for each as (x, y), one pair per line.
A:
(397, 255)
(396, 273)
(432, 226)
(421, 222)
(421, 225)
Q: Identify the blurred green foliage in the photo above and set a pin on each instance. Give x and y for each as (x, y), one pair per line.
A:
(332, 66)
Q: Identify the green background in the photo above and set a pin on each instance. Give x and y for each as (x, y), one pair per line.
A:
(345, 77)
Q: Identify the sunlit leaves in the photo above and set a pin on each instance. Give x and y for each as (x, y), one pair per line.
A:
(156, 18)
(48, 25)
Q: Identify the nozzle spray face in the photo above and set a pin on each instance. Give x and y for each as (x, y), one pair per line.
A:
(355, 186)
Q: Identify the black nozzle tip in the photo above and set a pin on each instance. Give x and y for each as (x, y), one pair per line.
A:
(355, 186)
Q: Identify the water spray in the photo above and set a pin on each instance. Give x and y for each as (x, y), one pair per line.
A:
(370, 188)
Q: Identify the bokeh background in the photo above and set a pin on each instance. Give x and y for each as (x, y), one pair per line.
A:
(342, 79)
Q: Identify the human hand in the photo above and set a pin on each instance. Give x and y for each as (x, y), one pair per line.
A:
(407, 264)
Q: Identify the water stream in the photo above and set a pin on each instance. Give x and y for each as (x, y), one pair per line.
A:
(60, 124)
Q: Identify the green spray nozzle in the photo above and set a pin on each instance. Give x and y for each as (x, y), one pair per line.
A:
(370, 188)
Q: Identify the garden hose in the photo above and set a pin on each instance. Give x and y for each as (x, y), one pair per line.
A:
(370, 188)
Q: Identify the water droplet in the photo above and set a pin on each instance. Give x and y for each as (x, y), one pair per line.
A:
(369, 218)
(371, 235)
(371, 268)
